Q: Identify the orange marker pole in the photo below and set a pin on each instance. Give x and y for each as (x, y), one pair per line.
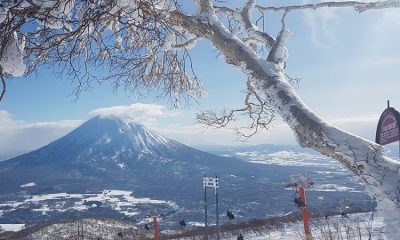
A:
(155, 223)
(304, 210)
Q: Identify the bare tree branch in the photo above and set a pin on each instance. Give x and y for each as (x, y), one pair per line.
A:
(249, 26)
(131, 42)
(278, 53)
(206, 6)
(3, 83)
(257, 110)
(187, 43)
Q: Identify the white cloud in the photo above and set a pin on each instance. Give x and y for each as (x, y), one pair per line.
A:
(6, 120)
(383, 33)
(139, 112)
(19, 137)
(356, 119)
(322, 23)
(197, 134)
(363, 126)
(373, 29)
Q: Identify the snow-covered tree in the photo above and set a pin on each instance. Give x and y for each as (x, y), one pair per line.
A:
(145, 44)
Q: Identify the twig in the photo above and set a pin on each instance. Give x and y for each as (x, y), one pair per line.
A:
(3, 83)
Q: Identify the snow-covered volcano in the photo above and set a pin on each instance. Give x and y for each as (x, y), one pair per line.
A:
(107, 151)
(106, 139)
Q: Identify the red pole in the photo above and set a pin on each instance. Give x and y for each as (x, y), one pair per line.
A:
(304, 211)
(155, 223)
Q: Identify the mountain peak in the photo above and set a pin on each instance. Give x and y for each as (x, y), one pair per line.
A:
(107, 138)
(114, 128)
(109, 119)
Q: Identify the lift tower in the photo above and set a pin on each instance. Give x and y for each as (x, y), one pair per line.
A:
(300, 183)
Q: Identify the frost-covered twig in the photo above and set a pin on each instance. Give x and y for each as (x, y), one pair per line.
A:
(257, 110)
(3, 82)
(206, 6)
(358, 6)
(253, 31)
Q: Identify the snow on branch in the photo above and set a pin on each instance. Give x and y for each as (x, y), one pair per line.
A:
(11, 59)
(251, 28)
(358, 6)
(240, 23)
(206, 6)
(279, 52)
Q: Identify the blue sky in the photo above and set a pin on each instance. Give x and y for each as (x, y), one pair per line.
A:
(349, 64)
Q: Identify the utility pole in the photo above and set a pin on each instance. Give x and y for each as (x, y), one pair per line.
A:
(205, 209)
(213, 183)
(80, 230)
(79, 234)
(216, 202)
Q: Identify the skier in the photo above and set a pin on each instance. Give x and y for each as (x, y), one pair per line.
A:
(240, 237)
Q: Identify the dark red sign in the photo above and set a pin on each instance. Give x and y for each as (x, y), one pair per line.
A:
(388, 127)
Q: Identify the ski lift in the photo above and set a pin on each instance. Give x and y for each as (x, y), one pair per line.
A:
(296, 182)
(298, 201)
(300, 182)
(291, 185)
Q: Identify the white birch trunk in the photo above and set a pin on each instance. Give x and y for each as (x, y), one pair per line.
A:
(365, 158)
